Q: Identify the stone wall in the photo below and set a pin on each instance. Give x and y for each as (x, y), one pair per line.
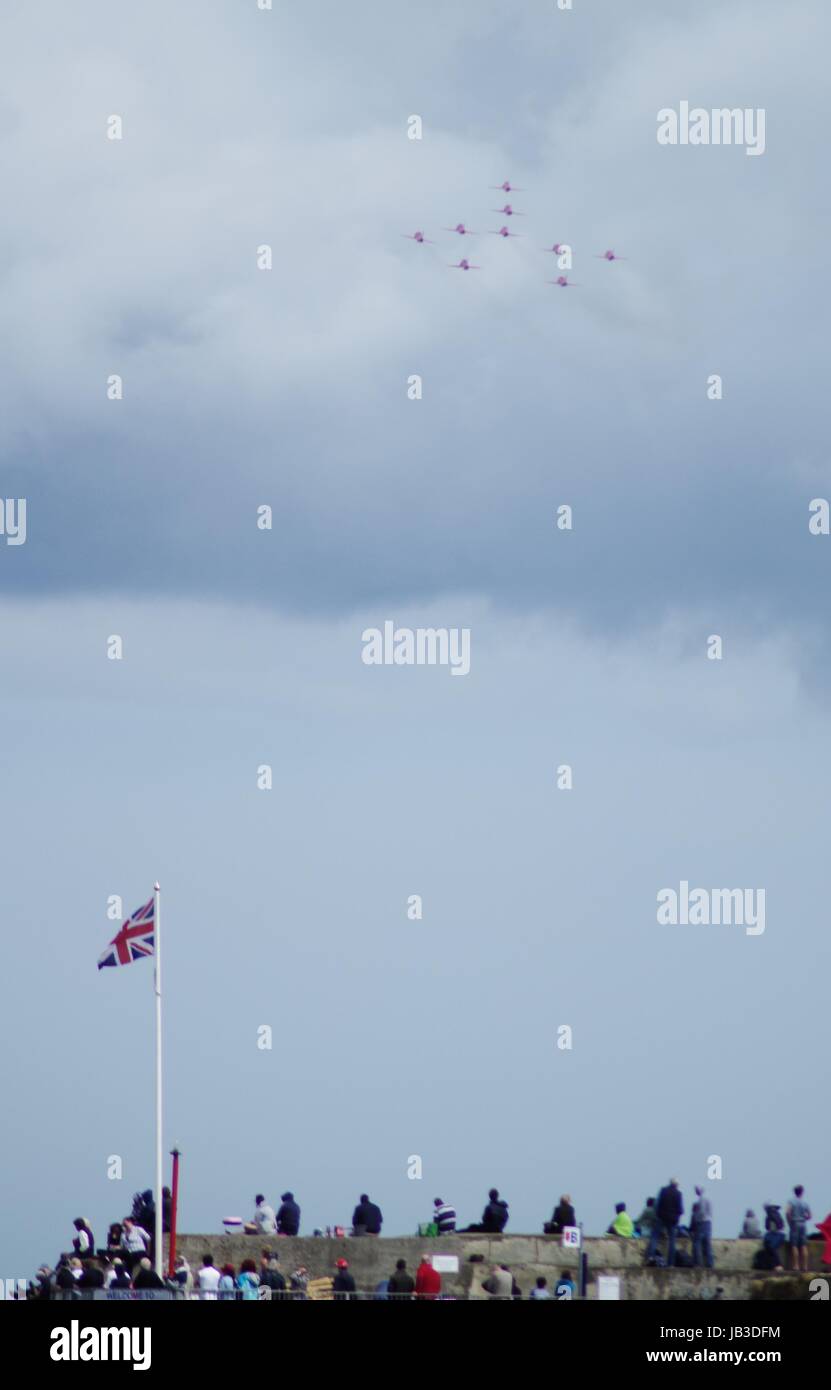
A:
(373, 1259)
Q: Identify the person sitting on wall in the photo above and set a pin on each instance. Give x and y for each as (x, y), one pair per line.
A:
(84, 1242)
(135, 1241)
(114, 1235)
(263, 1222)
(623, 1225)
(494, 1217)
(562, 1216)
(751, 1230)
(366, 1218)
(444, 1216)
(288, 1217)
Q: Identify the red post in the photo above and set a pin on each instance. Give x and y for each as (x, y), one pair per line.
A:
(174, 1201)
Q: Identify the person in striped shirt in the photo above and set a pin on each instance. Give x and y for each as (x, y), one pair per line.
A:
(444, 1216)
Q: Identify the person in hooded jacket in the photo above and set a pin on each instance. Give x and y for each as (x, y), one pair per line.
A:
(495, 1215)
(288, 1217)
(366, 1218)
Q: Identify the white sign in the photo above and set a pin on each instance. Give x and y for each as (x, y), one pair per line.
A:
(446, 1264)
(608, 1286)
(571, 1237)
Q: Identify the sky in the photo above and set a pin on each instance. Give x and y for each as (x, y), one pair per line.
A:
(289, 388)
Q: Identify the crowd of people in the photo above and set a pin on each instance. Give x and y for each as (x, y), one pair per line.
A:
(660, 1224)
(127, 1260)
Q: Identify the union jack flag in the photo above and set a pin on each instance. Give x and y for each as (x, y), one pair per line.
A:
(134, 939)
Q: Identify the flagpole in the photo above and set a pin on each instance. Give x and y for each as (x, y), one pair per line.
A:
(157, 986)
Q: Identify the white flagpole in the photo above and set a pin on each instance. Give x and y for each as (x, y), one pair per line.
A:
(157, 985)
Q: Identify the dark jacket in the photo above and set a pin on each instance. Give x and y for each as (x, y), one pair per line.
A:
(76, 1244)
(91, 1279)
(562, 1216)
(121, 1280)
(400, 1283)
(288, 1219)
(495, 1216)
(273, 1279)
(343, 1284)
(366, 1214)
(144, 1210)
(669, 1206)
(147, 1279)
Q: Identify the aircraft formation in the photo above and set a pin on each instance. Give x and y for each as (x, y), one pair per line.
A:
(507, 211)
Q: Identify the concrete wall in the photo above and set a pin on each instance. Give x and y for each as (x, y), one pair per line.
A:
(372, 1259)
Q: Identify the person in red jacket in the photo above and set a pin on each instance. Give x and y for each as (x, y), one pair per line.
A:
(428, 1279)
(825, 1227)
